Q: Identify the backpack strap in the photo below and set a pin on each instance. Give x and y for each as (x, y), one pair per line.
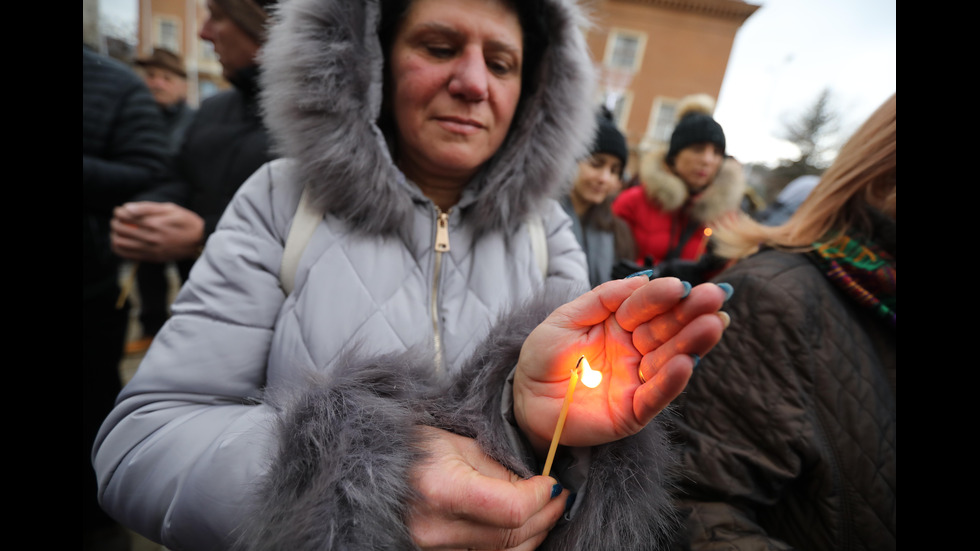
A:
(305, 222)
(535, 227)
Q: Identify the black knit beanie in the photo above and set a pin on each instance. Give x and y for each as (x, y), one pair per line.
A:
(695, 128)
(609, 139)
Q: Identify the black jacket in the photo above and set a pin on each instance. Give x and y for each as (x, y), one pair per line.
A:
(789, 423)
(124, 152)
(223, 146)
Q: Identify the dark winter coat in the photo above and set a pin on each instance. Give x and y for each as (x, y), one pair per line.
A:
(789, 424)
(288, 422)
(124, 152)
(178, 118)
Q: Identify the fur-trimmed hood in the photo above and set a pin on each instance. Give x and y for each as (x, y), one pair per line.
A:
(322, 93)
(669, 191)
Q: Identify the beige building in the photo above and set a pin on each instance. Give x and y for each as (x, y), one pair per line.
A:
(650, 54)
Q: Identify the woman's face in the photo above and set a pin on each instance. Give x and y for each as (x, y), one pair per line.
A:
(697, 165)
(598, 177)
(456, 76)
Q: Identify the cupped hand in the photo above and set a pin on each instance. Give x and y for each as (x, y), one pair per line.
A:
(622, 327)
(155, 232)
(469, 501)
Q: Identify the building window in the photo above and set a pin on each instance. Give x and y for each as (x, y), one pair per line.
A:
(663, 121)
(168, 34)
(624, 50)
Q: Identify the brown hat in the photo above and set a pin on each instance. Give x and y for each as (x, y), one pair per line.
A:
(164, 59)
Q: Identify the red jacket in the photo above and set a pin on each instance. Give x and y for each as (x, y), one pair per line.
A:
(656, 231)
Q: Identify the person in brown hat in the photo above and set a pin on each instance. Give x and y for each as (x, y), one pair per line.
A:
(165, 76)
(163, 71)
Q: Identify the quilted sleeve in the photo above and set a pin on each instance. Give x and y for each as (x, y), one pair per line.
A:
(745, 426)
(176, 457)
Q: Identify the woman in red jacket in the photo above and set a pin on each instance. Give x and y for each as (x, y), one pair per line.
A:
(682, 191)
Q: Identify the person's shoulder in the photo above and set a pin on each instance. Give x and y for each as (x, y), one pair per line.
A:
(108, 71)
(220, 99)
(771, 264)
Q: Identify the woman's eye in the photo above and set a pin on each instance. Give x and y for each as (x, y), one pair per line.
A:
(499, 67)
(439, 51)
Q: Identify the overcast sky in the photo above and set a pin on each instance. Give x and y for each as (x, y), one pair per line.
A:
(787, 52)
(784, 55)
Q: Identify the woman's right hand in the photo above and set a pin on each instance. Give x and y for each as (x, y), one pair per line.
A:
(469, 501)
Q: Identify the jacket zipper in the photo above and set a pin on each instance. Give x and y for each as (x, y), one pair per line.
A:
(441, 246)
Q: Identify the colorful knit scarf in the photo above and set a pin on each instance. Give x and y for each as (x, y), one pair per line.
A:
(865, 271)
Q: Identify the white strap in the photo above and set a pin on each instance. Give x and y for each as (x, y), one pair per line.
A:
(539, 242)
(305, 222)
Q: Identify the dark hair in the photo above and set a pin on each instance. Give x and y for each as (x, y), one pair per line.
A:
(534, 29)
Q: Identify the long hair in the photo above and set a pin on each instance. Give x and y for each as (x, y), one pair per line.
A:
(862, 175)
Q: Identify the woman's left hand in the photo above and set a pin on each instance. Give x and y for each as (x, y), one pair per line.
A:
(622, 327)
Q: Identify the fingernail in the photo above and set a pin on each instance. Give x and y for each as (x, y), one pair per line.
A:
(569, 502)
(687, 289)
(697, 360)
(729, 290)
(556, 490)
(725, 318)
(646, 273)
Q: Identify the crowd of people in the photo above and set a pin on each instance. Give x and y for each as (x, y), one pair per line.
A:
(401, 233)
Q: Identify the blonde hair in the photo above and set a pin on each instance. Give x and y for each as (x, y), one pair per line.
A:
(862, 174)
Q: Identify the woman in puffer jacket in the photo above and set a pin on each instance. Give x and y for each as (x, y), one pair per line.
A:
(683, 190)
(789, 426)
(404, 392)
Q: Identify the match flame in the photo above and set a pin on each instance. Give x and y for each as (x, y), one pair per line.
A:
(590, 377)
(707, 232)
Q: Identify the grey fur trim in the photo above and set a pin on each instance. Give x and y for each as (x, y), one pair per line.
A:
(339, 479)
(663, 186)
(322, 92)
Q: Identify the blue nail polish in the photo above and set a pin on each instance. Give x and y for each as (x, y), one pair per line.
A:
(697, 360)
(729, 290)
(687, 289)
(556, 490)
(647, 273)
(569, 502)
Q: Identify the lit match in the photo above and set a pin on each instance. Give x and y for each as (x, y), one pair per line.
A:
(590, 378)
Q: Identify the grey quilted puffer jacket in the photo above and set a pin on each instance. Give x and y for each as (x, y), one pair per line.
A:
(287, 422)
(789, 424)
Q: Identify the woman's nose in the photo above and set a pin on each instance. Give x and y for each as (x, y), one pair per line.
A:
(469, 78)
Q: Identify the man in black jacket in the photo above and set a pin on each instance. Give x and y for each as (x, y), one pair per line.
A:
(124, 152)
(225, 144)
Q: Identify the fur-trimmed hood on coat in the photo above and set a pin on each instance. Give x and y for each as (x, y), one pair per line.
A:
(322, 96)
(661, 185)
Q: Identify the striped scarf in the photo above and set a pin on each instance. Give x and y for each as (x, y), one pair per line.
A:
(865, 271)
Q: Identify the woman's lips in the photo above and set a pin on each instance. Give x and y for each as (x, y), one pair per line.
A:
(460, 125)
